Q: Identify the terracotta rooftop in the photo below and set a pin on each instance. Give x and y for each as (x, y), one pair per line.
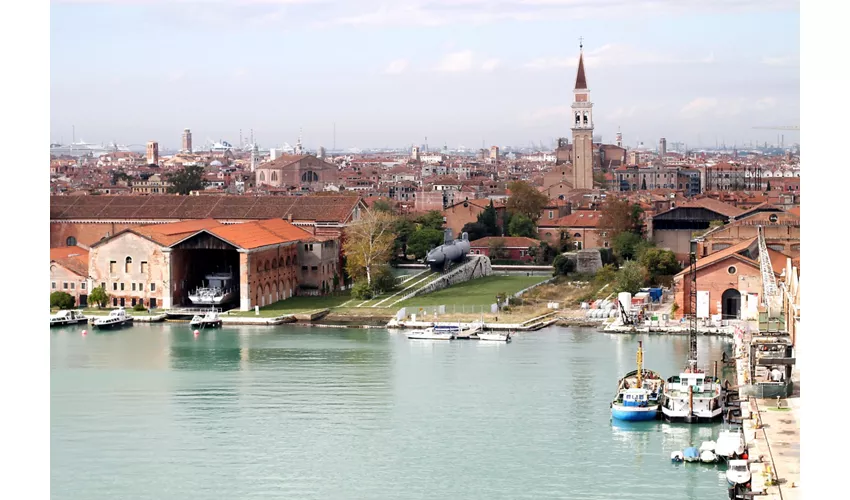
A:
(73, 258)
(714, 205)
(732, 251)
(579, 218)
(335, 208)
(250, 235)
(168, 234)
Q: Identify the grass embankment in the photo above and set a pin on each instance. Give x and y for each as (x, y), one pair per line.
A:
(297, 305)
(477, 292)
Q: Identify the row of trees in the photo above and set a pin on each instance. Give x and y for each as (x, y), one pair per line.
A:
(64, 300)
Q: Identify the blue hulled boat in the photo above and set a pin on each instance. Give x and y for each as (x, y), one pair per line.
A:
(637, 393)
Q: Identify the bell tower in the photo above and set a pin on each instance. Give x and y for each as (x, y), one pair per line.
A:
(582, 127)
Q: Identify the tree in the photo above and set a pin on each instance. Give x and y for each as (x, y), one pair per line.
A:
(497, 249)
(563, 265)
(631, 277)
(384, 279)
(62, 300)
(564, 241)
(382, 206)
(605, 275)
(403, 228)
(620, 216)
(643, 184)
(626, 245)
(189, 178)
(542, 253)
(658, 263)
(599, 178)
(368, 243)
(99, 297)
(362, 290)
(521, 225)
(525, 199)
(475, 230)
(423, 240)
(489, 219)
(432, 219)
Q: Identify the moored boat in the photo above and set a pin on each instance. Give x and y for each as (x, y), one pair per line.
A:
(707, 457)
(218, 290)
(691, 454)
(208, 320)
(67, 317)
(677, 456)
(637, 393)
(116, 319)
(730, 445)
(430, 334)
(691, 397)
(495, 336)
(738, 473)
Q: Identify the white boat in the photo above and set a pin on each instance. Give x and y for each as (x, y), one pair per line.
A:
(218, 290)
(692, 397)
(116, 319)
(430, 334)
(738, 473)
(495, 336)
(67, 317)
(208, 320)
(730, 444)
(707, 457)
(677, 456)
(707, 446)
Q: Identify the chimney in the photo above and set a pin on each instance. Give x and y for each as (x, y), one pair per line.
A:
(289, 217)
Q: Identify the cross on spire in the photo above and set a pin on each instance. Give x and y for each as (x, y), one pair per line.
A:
(581, 43)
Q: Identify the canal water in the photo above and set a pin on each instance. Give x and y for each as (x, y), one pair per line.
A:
(151, 412)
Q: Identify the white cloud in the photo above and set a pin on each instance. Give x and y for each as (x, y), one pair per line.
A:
(490, 64)
(706, 107)
(616, 55)
(396, 67)
(456, 62)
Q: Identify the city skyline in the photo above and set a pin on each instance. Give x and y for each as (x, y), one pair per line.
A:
(389, 77)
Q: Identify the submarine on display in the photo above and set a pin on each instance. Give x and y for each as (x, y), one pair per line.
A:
(450, 251)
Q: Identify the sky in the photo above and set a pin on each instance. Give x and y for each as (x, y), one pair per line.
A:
(389, 73)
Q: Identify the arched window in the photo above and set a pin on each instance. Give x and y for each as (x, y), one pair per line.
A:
(262, 175)
(259, 266)
(128, 263)
(274, 263)
(71, 241)
(287, 260)
(267, 265)
(309, 176)
(274, 176)
(577, 235)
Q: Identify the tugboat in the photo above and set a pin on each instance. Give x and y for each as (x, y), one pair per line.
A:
(116, 319)
(637, 393)
(67, 317)
(219, 290)
(208, 320)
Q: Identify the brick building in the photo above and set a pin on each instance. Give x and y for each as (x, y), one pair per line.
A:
(69, 270)
(516, 247)
(582, 228)
(306, 172)
(88, 219)
(781, 231)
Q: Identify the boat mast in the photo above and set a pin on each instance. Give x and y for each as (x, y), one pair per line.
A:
(640, 364)
(692, 327)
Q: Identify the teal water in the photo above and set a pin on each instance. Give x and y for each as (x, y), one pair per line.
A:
(151, 412)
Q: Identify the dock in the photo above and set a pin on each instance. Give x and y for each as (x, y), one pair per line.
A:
(771, 429)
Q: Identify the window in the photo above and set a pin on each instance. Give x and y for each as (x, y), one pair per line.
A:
(121, 301)
(71, 241)
(82, 285)
(274, 176)
(605, 244)
(133, 302)
(262, 176)
(64, 285)
(303, 268)
(144, 267)
(127, 263)
(732, 270)
(153, 287)
(314, 268)
(114, 301)
(153, 303)
(551, 214)
(53, 285)
(122, 287)
(73, 285)
(103, 285)
(133, 286)
(112, 265)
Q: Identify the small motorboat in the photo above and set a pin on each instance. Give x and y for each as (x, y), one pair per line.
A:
(67, 317)
(730, 445)
(707, 446)
(430, 334)
(116, 319)
(707, 457)
(677, 456)
(691, 454)
(738, 473)
(208, 320)
(495, 336)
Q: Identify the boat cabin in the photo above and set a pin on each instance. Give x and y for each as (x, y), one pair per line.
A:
(634, 397)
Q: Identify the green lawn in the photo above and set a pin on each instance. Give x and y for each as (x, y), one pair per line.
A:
(481, 291)
(297, 305)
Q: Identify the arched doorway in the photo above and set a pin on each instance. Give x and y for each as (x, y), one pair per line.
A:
(730, 304)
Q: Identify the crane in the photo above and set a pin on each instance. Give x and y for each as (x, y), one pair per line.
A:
(771, 297)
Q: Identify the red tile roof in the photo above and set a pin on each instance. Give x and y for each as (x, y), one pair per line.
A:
(250, 235)
(73, 258)
(714, 205)
(579, 218)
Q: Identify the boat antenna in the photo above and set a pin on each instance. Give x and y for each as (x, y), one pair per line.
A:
(640, 364)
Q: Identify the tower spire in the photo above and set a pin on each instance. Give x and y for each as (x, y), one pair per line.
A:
(581, 80)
